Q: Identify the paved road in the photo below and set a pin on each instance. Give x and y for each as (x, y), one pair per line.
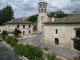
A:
(7, 53)
(37, 41)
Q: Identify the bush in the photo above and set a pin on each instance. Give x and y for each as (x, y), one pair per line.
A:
(76, 43)
(37, 58)
(29, 51)
(12, 41)
(4, 34)
(16, 33)
(51, 56)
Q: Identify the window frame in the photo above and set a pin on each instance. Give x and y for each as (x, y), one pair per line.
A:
(17, 26)
(23, 32)
(24, 26)
(29, 26)
(29, 31)
(56, 31)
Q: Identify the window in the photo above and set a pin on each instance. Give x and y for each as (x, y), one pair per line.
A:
(17, 26)
(42, 19)
(45, 11)
(44, 5)
(23, 26)
(78, 34)
(29, 26)
(29, 31)
(40, 5)
(23, 32)
(56, 31)
(42, 10)
(39, 10)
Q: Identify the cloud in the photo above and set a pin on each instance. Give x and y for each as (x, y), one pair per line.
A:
(3, 3)
(64, 5)
(30, 7)
(26, 5)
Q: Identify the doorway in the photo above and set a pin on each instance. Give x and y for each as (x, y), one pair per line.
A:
(56, 41)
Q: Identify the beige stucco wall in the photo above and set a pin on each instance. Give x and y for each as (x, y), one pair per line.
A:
(9, 27)
(65, 33)
(1, 28)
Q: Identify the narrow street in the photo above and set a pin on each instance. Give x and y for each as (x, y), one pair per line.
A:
(7, 53)
(37, 41)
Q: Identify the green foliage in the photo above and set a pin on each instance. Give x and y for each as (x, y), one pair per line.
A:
(57, 14)
(12, 41)
(77, 29)
(51, 14)
(16, 33)
(51, 56)
(76, 43)
(29, 51)
(4, 34)
(37, 58)
(20, 49)
(33, 18)
(6, 14)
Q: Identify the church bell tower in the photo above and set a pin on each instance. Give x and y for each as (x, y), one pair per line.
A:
(42, 16)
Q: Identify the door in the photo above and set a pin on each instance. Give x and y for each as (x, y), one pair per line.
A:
(56, 41)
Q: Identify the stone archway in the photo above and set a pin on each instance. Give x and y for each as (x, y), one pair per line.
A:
(56, 41)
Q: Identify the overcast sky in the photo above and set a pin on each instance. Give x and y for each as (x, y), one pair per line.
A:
(24, 8)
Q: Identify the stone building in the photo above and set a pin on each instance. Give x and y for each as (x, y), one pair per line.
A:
(42, 16)
(60, 31)
(25, 27)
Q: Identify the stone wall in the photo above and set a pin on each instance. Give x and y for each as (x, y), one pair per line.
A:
(65, 33)
(13, 26)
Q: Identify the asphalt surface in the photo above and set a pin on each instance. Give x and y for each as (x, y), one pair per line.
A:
(7, 53)
(37, 40)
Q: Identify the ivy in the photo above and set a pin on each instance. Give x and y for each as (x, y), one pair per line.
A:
(76, 43)
(77, 29)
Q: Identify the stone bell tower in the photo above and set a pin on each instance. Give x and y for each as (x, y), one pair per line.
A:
(42, 16)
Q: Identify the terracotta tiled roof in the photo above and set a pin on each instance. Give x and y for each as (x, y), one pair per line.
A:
(75, 18)
(18, 21)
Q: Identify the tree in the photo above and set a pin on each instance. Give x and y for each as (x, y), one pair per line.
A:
(51, 14)
(33, 18)
(6, 14)
(51, 56)
(58, 14)
(16, 33)
(4, 34)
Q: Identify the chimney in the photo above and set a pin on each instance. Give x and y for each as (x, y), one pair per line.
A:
(74, 12)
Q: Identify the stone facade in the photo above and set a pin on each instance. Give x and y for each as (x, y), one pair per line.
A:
(25, 31)
(26, 28)
(64, 34)
(60, 34)
(42, 16)
(1, 28)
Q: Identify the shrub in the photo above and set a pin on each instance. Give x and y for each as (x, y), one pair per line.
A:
(51, 56)
(12, 41)
(29, 51)
(76, 43)
(4, 34)
(16, 33)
